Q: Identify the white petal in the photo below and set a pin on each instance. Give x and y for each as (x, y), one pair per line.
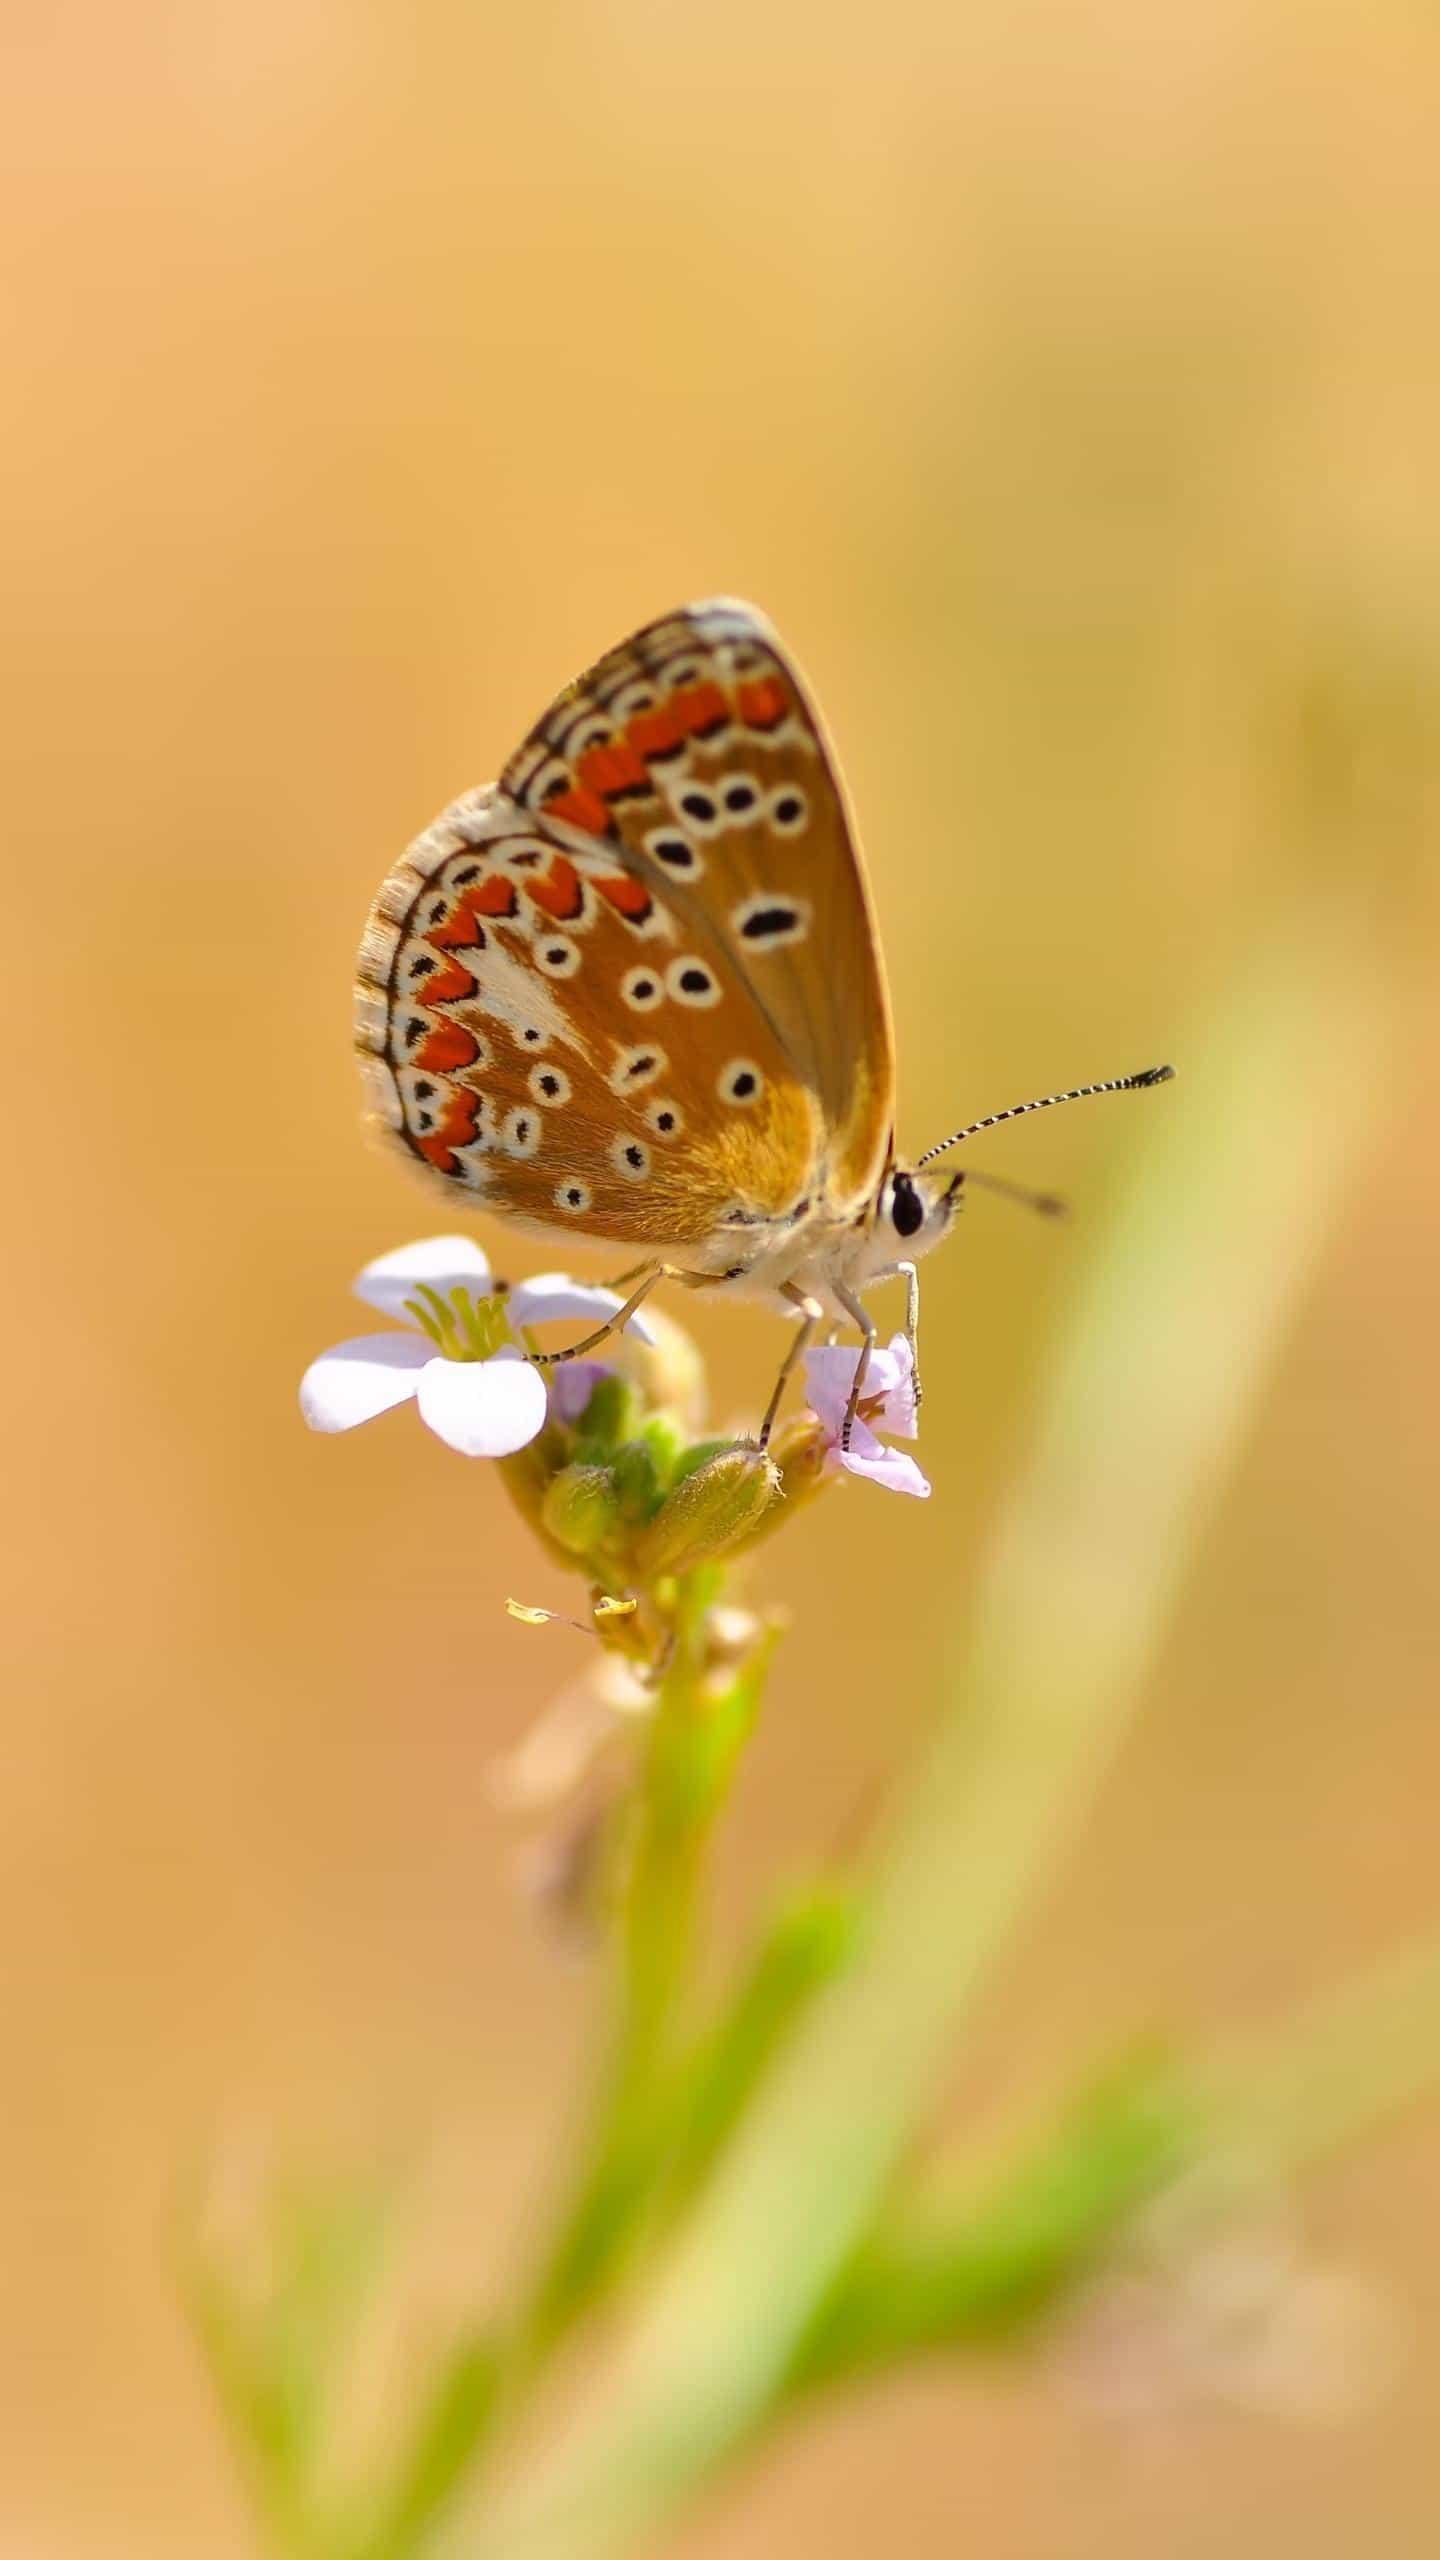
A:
(483, 1408)
(553, 1293)
(441, 1262)
(895, 1469)
(829, 1377)
(357, 1380)
(867, 1456)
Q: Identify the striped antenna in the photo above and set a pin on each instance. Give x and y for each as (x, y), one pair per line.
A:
(1047, 1102)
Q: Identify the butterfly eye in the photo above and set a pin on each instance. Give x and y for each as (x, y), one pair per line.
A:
(574, 1196)
(549, 1085)
(907, 1209)
(665, 1118)
(788, 810)
(641, 990)
(558, 958)
(690, 982)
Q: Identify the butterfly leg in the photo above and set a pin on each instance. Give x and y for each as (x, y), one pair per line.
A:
(810, 1314)
(647, 1276)
(911, 1277)
(653, 1275)
(626, 1279)
(853, 1306)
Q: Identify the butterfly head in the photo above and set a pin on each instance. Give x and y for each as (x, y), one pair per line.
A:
(913, 1211)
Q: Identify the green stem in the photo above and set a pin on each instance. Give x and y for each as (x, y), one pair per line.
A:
(973, 2260)
(654, 1932)
(655, 2109)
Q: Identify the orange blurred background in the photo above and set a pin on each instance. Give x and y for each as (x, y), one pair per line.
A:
(1066, 385)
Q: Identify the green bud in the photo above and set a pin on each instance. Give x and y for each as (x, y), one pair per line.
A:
(637, 1481)
(699, 1454)
(664, 1436)
(715, 1508)
(581, 1509)
(608, 1418)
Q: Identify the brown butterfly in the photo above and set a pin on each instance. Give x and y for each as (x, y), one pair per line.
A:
(635, 991)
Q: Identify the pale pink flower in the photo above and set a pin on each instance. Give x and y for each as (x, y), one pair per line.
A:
(887, 1398)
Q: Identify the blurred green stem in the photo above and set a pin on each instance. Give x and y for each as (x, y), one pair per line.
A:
(967, 2256)
(691, 1748)
(661, 2103)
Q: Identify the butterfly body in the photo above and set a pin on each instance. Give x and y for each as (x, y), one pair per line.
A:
(633, 992)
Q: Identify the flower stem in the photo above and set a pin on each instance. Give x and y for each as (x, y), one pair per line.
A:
(692, 1745)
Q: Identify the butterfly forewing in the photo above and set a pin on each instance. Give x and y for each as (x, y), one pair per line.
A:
(636, 988)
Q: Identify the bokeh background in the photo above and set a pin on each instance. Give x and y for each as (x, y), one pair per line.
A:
(1066, 384)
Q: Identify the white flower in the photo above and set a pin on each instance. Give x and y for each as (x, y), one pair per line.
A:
(459, 1361)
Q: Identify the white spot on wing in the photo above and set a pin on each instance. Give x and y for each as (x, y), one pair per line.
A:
(635, 1068)
(514, 992)
(630, 1157)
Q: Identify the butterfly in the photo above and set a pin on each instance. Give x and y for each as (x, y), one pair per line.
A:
(634, 991)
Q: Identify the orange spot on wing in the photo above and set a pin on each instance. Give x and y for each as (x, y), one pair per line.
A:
(700, 709)
(449, 983)
(762, 703)
(461, 1116)
(458, 1127)
(580, 808)
(446, 1047)
(628, 897)
(560, 892)
(492, 897)
(656, 733)
(613, 769)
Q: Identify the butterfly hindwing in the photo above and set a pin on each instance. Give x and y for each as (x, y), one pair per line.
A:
(635, 989)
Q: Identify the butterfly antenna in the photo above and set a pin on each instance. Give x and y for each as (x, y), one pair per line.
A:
(1047, 1102)
(1046, 1204)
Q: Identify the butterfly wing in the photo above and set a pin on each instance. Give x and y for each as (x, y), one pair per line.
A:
(635, 988)
(694, 750)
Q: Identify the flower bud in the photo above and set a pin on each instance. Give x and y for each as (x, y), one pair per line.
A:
(581, 1509)
(715, 1508)
(801, 1449)
(609, 1417)
(638, 1482)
